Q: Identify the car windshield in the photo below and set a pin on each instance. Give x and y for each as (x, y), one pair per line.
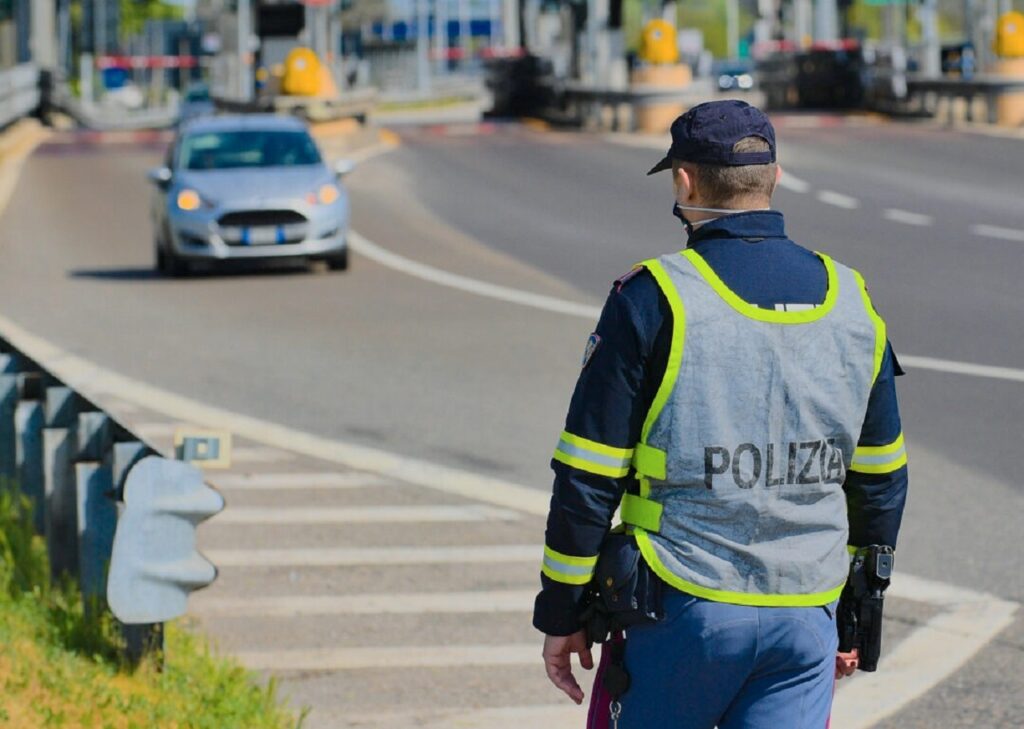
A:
(197, 93)
(250, 148)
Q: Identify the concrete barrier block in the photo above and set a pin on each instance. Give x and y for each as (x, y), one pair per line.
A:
(8, 404)
(95, 436)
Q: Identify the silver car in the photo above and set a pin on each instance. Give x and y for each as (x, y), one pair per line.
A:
(240, 188)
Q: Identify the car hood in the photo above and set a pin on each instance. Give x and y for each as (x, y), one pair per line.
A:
(249, 184)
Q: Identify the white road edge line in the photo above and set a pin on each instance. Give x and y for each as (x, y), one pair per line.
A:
(931, 653)
(391, 657)
(995, 231)
(352, 556)
(906, 217)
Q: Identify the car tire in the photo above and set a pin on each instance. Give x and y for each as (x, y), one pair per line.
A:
(169, 264)
(338, 262)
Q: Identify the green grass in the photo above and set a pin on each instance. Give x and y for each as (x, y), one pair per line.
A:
(61, 667)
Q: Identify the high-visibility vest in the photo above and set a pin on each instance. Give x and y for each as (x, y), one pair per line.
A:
(744, 452)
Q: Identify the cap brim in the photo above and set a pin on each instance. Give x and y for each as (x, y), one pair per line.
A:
(665, 164)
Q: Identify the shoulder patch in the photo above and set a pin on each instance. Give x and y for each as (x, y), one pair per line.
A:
(592, 344)
(623, 280)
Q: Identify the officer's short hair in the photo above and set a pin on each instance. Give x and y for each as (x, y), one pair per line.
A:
(723, 185)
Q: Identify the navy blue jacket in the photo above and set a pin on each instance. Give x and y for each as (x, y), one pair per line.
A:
(752, 255)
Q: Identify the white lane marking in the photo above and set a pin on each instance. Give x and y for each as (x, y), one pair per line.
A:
(422, 271)
(793, 183)
(906, 217)
(159, 430)
(933, 652)
(259, 454)
(362, 514)
(838, 199)
(404, 265)
(994, 231)
(351, 556)
(565, 714)
(292, 606)
(391, 657)
(963, 368)
(295, 481)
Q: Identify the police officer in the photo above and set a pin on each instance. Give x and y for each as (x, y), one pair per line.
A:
(737, 398)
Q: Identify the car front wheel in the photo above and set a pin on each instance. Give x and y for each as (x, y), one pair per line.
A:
(169, 264)
(338, 262)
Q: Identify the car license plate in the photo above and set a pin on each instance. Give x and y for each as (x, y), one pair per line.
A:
(262, 235)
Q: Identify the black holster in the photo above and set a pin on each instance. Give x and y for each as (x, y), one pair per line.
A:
(624, 591)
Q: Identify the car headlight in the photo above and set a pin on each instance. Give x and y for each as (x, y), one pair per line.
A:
(328, 194)
(189, 200)
(746, 81)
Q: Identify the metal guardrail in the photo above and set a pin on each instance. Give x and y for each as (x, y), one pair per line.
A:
(71, 459)
(19, 92)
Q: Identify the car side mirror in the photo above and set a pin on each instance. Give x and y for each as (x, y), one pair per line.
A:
(160, 176)
(344, 167)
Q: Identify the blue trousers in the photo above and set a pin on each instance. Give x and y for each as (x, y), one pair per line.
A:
(710, 664)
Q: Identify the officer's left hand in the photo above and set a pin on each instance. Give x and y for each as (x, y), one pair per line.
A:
(558, 650)
(846, 663)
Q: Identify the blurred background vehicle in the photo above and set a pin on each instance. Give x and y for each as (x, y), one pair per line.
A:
(197, 102)
(245, 188)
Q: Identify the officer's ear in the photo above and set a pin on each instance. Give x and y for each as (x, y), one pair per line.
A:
(778, 174)
(682, 181)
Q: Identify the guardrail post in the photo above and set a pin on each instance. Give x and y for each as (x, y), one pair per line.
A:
(60, 520)
(28, 428)
(97, 514)
(8, 404)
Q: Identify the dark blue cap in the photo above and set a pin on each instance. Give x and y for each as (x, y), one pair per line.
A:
(707, 132)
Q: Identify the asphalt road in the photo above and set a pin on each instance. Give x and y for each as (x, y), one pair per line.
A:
(378, 358)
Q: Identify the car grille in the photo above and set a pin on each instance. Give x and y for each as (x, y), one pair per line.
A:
(253, 218)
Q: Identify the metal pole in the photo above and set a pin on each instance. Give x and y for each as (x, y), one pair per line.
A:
(441, 36)
(931, 61)
(826, 20)
(732, 27)
(422, 49)
(464, 30)
(244, 33)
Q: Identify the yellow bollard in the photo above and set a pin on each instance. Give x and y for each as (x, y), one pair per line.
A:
(1009, 46)
(662, 71)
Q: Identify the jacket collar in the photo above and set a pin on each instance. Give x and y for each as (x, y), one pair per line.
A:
(752, 226)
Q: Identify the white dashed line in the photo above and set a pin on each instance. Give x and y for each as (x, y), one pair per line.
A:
(291, 606)
(994, 231)
(362, 514)
(350, 556)
(838, 199)
(793, 183)
(906, 217)
(295, 481)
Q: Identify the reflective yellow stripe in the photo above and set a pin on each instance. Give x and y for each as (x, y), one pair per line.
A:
(592, 445)
(569, 559)
(769, 315)
(567, 569)
(675, 354)
(735, 598)
(879, 468)
(880, 338)
(882, 450)
(650, 461)
(590, 466)
(641, 512)
(593, 457)
(880, 459)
